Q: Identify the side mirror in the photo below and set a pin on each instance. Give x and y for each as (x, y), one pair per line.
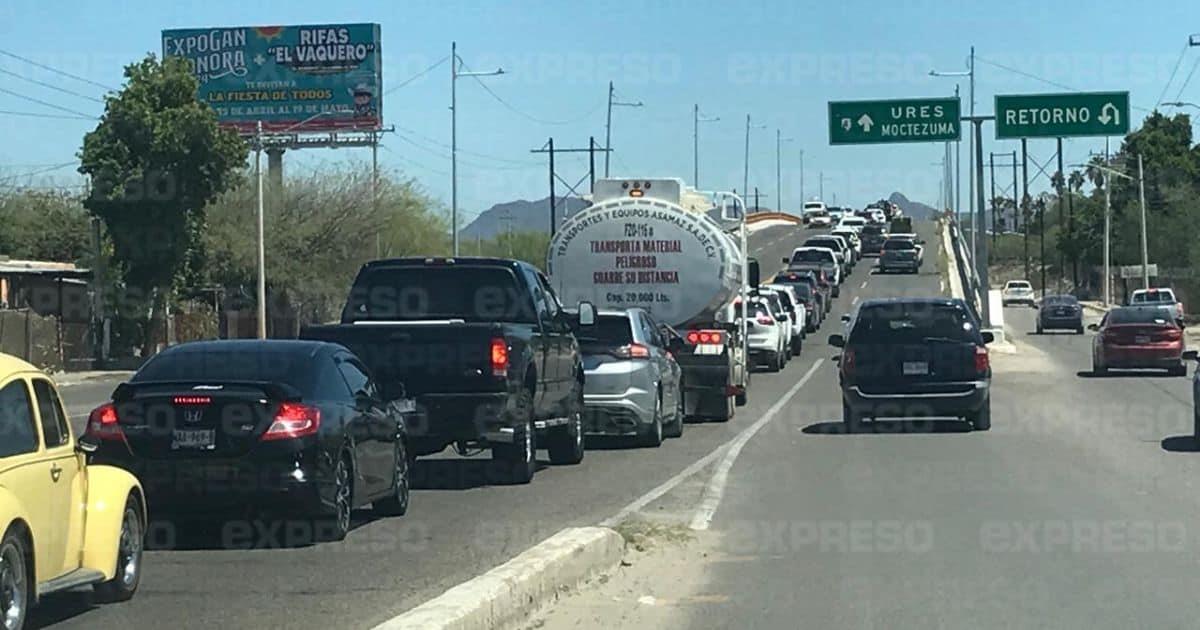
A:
(837, 341)
(753, 272)
(786, 260)
(920, 241)
(1191, 355)
(845, 317)
(988, 337)
(84, 445)
(1093, 327)
(587, 314)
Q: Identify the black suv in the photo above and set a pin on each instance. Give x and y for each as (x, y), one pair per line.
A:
(914, 358)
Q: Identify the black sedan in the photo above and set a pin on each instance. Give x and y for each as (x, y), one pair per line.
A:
(1060, 312)
(274, 427)
(914, 358)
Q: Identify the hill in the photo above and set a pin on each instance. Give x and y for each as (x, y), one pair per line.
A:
(912, 208)
(526, 216)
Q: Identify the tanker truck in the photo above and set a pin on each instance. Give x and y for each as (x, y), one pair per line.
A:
(652, 244)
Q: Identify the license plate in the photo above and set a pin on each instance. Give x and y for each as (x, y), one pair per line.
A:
(203, 439)
(915, 368)
(1141, 339)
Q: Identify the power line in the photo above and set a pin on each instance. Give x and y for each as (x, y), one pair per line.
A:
(50, 105)
(1188, 79)
(461, 150)
(57, 71)
(51, 86)
(5, 112)
(418, 75)
(531, 117)
(1042, 79)
(1173, 72)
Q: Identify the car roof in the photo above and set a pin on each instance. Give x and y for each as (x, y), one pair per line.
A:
(413, 261)
(10, 364)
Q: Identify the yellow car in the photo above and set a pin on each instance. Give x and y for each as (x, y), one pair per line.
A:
(65, 524)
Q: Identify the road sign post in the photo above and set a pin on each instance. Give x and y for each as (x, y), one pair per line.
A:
(1061, 115)
(895, 121)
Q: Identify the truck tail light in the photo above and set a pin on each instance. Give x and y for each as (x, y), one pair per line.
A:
(102, 423)
(705, 337)
(293, 420)
(499, 357)
(982, 363)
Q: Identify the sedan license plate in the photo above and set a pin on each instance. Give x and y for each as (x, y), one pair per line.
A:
(203, 439)
(915, 368)
(1141, 339)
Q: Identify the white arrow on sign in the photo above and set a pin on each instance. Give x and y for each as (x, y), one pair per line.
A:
(1104, 118)
(865, 122)
(846, 124)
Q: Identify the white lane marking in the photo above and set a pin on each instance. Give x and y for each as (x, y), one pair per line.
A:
(663, 488)
(863, 285)
(716, 486)
(854, 301)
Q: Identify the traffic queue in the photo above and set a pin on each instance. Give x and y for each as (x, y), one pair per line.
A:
(429, 353)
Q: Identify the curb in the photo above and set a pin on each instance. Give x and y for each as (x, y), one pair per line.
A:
(510, 592)
(66, 379)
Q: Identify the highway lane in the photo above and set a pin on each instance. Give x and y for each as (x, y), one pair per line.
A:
(459, 525)
(1077, 510)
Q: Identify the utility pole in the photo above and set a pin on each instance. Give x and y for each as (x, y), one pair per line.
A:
(591, 163)
(992, 168)
(454, 76)
(976, 179)
(1062, 178)
(1016, 191)
(821, 177)
(696, 120)
(1145, 251)
(261, 293)
(746, 161)
(957, 169)
(779, 170)
(608, 124)
(802, 197)
(1042, 241)
(553, 200)
(375, 191)
(1107, 231)
(573, 189)
(1025, 199)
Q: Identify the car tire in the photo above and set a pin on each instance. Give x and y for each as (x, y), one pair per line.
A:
(652, 436)
(130, 547)
(1098, 368)
(566, 442)
(797, 347)
(14, 569)
(396, 504)
(774, 362)
(741, 399)
(851, 420)
(335, 527)
(837, 291)
(981, 420)
(518, 460)
(1178, 370)
(675, 429)
(1039, 328)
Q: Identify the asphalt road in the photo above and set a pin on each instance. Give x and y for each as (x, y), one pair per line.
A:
(1077, 510)
(458, 526)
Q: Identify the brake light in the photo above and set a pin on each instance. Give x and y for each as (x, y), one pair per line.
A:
(632, 351)
(1172, 334)
(847, 362)
(293, 420)
(982, 363)
(499, 357)
(764, 320)
(705, 337)
(102, 423)
(192, 400)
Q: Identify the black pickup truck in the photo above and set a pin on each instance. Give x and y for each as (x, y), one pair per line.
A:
(483, 346)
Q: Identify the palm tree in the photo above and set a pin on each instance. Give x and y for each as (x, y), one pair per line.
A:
(1075, 185)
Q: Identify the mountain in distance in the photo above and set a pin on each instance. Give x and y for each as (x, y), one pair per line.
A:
(526, 216)
(913, 208)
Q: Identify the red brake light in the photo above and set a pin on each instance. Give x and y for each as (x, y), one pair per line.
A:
(102, 423)
(764, 320)
(705, 337)
(1173, 334)
(982, 364)
(693, 337)
(293, 420)
(499, 357)
(633, 351)
(192, 400)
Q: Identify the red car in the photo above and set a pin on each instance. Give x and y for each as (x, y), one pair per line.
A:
(1135, 337)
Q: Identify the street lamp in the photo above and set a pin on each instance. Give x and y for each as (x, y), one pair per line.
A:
(455, 73)
(696, 120)
(746, 163)
(608, 124)
(1141, 180)
(1181, 104)
(778, 170)
(970, 74)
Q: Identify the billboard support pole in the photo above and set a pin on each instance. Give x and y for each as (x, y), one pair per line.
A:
(262, 254)
(375, 192)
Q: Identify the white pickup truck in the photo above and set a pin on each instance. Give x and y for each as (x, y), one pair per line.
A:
(1157, 296)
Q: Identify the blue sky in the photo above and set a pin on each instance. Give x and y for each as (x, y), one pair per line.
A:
(778, 61)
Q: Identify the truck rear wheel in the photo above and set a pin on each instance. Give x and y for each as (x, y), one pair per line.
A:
(517, 461)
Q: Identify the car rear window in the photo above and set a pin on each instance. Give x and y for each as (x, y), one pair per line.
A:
(810, 255)
(614, 330)
(872, 230)
(1154, 297)
(912, 322)
(1018, 285)
(236, 361)
(756, 308)
(899, 244)
(823, 242)
(1060, 300)
(474, 294)
(1160, 315)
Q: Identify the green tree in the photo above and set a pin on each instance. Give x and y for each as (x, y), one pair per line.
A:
(44, 225)
(156, 159)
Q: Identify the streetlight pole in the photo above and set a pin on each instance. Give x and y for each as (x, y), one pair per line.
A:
(746, 162)
(779, 170)
(696, 120)
(262, 247)
(1145, 251)
(1108, 222)
(455, 73)
(802, 197)
(608, 124)
(971, 179)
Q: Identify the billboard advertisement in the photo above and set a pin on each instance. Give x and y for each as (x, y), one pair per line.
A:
(293, 79)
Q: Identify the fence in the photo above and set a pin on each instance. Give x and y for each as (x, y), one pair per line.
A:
(36, 338)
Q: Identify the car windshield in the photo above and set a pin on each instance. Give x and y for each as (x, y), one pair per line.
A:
(899, 244)
(421, 292)
(277, 362)
(1147, 315)
(909, 322)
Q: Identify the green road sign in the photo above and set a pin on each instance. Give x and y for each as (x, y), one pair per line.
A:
(1062, 115)
(901, 120)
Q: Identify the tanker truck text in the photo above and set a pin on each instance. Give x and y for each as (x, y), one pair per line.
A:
(635, 277)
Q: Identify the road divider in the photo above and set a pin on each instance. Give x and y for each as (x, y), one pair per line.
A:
(510, 592)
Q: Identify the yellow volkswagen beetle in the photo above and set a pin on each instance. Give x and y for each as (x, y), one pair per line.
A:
(65, 524)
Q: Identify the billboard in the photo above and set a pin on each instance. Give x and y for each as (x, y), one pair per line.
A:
(315, 78)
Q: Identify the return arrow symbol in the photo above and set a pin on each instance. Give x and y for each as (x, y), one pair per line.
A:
(1104, 118)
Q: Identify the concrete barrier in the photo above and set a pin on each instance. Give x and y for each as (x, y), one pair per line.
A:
(507, 594)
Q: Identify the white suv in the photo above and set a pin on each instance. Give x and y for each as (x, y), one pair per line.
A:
(764, 335)
(1018, 292)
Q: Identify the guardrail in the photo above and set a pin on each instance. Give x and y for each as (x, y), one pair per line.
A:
(975, 294)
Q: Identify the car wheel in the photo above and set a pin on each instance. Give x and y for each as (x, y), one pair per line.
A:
(1098, 368)
(652, 436)
(774, 363)
(675, 429)
(850, 419)
(129, 556)
(741, 399)
(519, 459)
(566, 442)
(397, 503)
(1039, 328)
(16, 593)
(336, 526)
(1178, 370)
(982, 420)
(797, 347)
(837, 291)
